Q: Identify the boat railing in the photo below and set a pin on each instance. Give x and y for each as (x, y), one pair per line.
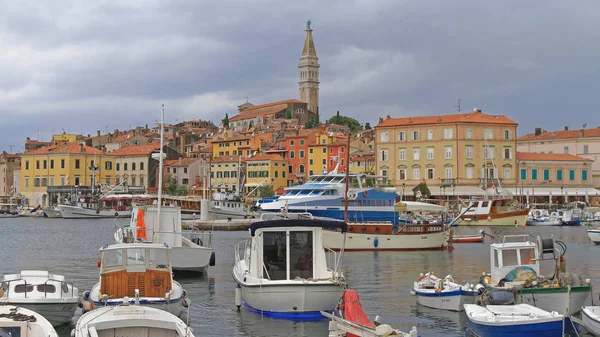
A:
(331, 254)
(240, 246)
(64, 287)
(201, 238)
(515, 238)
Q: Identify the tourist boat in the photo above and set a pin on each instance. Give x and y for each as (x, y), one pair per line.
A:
(433, 292)
(594, 235)
(283, 270)
(191, 250)
(229, 205)
(541, 217)
(473, 238)
(590, 315)
(497, 208)
(387, 236)
(323, 195)
(521, 320)
(16, 321)
(137, 269)
(43, 292)
(128, 319)
(350, 320)
(90, 210)
(515, 267)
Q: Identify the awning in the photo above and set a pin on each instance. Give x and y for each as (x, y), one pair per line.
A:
(415, 206)
(555, 191)
(253, 184)
(439, 191)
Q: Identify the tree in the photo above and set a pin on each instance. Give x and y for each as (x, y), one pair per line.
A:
(425, 192)
(226, 121)
(312, 123)
(288, 114)
(250, 125)
(350, 122)
(172, 188)
(368, 126)
(266, 191)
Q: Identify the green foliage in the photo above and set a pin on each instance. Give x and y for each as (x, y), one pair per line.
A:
(226, 121)
(288, 114)
(425, 192)
(266, 191)
(368, 126)
(171, 187)
(251, 125)
(312, 123)
(350, 122)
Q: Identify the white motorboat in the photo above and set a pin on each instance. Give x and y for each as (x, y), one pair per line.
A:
(52, 212)
(282, 270)
(81, 212)
(594, 235)
(590, 315)
(142, 269)
(16, 321)
(191, 250)
(521, 320)
(433, 292)
(541, 217)
(128, 320)
(515, 268)
(43, 292)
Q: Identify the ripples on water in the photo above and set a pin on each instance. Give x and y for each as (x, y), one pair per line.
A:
(382, 279)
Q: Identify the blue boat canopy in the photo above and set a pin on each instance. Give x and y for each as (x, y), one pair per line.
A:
(327, 224)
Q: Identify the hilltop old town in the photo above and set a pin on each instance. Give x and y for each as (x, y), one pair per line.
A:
(258, 150)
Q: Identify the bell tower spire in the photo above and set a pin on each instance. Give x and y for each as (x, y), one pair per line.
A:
(309, 72)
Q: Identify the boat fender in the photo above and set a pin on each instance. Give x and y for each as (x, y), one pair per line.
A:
(212, 259)
(116, 214)
(97, 211)
(87, 307)
(238, 296)
(186, 302)
(99, 263)
(413, 293)
(384, 330)
(376, 242)
(72, 332)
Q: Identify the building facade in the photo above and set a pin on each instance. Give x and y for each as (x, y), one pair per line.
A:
(582, 143)
(8, 164)
(461, 154)
(227, 174)
(266, 169)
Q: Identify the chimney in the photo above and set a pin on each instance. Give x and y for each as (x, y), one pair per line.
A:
(81, 147)
(566, 127)
(98, 133)
(538, 131)
(28, 138)
(387, 117)
(380, 121)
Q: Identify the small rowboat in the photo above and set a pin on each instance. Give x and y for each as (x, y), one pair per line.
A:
(469, 238)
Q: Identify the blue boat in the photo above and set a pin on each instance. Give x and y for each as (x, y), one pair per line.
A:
(521, 320)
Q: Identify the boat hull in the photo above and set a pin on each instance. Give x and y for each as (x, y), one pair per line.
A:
(71, 212)
(545, 329)
(544, 223)
(52, 213)
(293, 301)
(591, 320)
(560, 300)
(174, 305)
(468, 238)
(391, 242)
(57, 313)
(187, 259)
(445, 300)
(513, 220)
(594, 235)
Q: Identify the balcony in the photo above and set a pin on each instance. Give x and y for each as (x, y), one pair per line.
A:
(490, 181)
(447, 182)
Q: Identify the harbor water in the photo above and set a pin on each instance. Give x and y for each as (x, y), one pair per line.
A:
(383, 279)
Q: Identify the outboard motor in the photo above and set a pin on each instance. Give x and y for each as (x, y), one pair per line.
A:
(500, 298)
(212, 259)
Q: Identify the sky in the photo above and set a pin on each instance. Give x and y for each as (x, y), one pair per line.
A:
(83, 66)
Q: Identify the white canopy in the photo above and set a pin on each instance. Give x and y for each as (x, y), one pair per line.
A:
(416, 206)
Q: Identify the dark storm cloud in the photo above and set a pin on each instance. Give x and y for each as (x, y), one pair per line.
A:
(81, 66)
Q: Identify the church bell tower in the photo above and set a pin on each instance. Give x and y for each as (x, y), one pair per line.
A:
(309, 72)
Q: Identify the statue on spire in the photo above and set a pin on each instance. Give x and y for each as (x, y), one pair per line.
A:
(308, 24)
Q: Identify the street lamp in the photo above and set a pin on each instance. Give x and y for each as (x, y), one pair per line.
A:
(403, 186)
(562, 195)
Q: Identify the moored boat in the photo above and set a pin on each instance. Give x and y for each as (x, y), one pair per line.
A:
(594, 235)
(473, 238)
(433, 292)
(16, 321)
(590, 315)
(521, 320)
(283, 271)
(128, 319)
(46, 293)
(498, 208)
(137, 269)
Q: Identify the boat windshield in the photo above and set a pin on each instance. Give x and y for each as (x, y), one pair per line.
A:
(150, 258)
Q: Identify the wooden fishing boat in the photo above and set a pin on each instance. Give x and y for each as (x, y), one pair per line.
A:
(473, 238)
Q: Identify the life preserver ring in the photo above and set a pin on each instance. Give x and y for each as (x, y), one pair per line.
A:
(157, 282)
(116, 213)
(97, 211)
(352, 194)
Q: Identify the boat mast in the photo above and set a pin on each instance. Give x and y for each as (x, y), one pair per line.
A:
(347, 178)
(160, 161)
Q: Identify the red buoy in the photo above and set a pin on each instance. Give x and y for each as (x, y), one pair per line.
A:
(99, 263)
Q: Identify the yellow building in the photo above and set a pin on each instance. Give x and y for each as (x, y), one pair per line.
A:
(457, 154)
(225, 173)
(362, 162)
(229, 145)
(64, 138)
(63, 165)
(317, 153)
(265, 169)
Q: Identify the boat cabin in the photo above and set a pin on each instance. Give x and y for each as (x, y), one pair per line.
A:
(514, 251)
(284, 250)
(127, 267)
(36, 284)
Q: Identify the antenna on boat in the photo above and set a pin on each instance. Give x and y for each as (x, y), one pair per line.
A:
(160, 161)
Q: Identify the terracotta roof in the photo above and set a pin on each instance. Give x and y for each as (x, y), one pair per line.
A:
(255, 114)
(266, 105)
(226, 159)
(66, 148)
(184, 162)
(562, 134)
(262, 157)
(169, 162)
(231, 139)
(471, 117)
(529, 156)
(135, 150)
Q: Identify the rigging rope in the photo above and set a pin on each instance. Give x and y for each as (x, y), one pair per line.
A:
(15, 316)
